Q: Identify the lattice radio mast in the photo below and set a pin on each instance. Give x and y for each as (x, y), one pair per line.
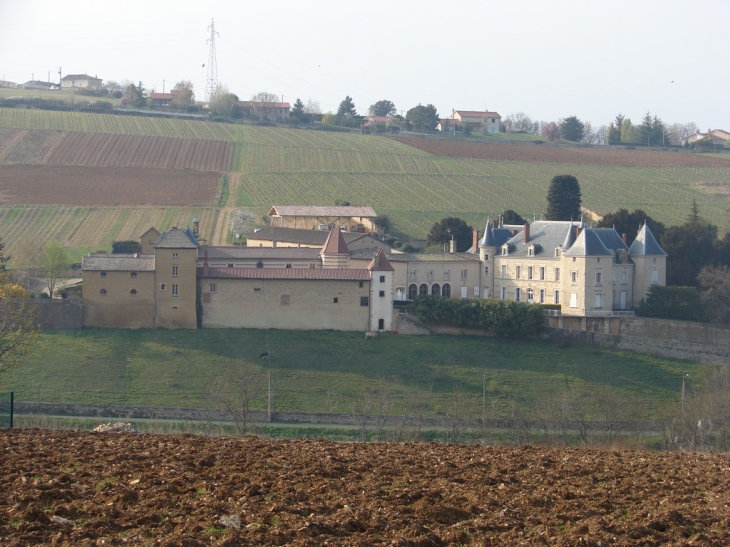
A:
(211, 83)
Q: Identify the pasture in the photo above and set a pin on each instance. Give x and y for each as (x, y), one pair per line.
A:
(325, 371)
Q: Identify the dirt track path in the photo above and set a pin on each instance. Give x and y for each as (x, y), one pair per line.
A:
(220, 230)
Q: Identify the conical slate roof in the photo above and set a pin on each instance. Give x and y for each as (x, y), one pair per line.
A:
(646, 244)
(335, 243)
(488, 240)
(177, 238)
(569, 238)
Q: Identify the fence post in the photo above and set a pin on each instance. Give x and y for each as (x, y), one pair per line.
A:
(12, 397)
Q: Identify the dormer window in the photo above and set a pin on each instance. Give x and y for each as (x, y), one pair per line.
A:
(531, 250)
(624, 256)
(557, 252)
(505, 249)
(613, 255)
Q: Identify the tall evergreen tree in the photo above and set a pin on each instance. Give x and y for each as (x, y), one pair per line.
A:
(564, 198)
(572, 129)
(347, 107)
(297, 110)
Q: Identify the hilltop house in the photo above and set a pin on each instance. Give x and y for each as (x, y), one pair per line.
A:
(179, 282)
(486, 121)
(80, 81)
(37, 84)
(717, 137)
(273, 112)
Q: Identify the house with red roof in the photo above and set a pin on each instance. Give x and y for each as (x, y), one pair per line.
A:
(717, 137)
(485, 121)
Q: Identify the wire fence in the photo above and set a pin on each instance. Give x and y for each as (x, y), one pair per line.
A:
(6, 409)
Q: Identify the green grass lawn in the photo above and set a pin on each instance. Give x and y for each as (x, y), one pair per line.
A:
(325, 371)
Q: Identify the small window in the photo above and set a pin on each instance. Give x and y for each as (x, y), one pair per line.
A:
(133, 274)
(174, 290)
(574, 277)
(655, 276)
(288, 265)
(598, 301)
(381, 294)
(574, 300)
(486, 270)
(230, 264)
(162, 286)
(613, 276)
(360, 284)
(212, 287)
(464, 273)
(174, 255)
(531, 251)
(364, 301)
(505, 250)
(557, 252)
(486, 256)
(285, 299)
(335, 300)
(598, 259)
(504, 293)
(102, 274)
(599, 277)
(382, 279)
(174, 271)
(133, 292)
(102, 292)
(257, 289)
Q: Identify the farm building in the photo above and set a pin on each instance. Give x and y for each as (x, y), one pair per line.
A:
(179, 282)
(274, 236)
(80, 81)
(718, 137)
(273, 112)
(37, 84)
(313, 217)
(479, 121)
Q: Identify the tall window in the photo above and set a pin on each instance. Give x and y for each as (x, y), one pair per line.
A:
(463, 274)
(556, 297)
(655, 276)
(530, 295)
(529, 272)
(624, 277)
(542, 273)
(574, 277)
(212, 287)
(412, 291)
(504, 293)
(542, 296)
(504, 271)
(446, 290)
(174, 271)
(382, 279)
(598, 278)
(613, 276)
(574, 300)
(598, 301)
(557, 274)
(518, 271)
(174, 289)
(435, 290)
(486, 270)
(423, 289)
(517, 294)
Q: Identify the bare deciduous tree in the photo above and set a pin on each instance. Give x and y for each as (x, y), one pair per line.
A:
(461, 411)
(414, 406)
(235, 393)
(266, 103)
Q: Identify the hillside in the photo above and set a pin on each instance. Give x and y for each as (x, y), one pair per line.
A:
(325, 371)
(78, 488)
(415, 181)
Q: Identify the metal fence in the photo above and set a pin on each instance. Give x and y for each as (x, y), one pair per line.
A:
(6, 409)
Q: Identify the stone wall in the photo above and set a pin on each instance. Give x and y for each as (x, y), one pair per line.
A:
(705, 342)
(58, 314)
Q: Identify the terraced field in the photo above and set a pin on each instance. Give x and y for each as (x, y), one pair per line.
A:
(415, 181)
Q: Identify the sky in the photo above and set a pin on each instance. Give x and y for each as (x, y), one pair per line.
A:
(549, 58)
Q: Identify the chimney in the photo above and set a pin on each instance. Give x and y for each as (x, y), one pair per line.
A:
(475, 241)
(452, 245)
(205, 262)
(526, 232)
(578, 230)
(623, 236)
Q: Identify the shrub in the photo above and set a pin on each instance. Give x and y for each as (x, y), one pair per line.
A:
(673, 303)
(504, 317)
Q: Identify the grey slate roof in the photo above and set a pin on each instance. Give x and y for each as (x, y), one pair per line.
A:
(118, 262)
(297, 235)
(545, 235)
(177, 238)
(239, 252)
(613, 242)
(494, 237)
(588, 244)
(646, 244)
(370, 252)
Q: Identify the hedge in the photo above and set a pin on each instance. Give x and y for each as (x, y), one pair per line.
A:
(504, 317)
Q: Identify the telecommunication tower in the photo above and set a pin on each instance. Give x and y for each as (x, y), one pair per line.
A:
(211, 83)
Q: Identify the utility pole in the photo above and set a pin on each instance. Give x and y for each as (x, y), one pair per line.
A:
(59, 76)
(211, 83)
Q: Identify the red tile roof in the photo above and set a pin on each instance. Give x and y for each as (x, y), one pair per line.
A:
(380, 263)
(167, 96)
(288, 273)
(335, 242)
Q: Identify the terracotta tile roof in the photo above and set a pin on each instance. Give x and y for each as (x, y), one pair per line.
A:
(380, 263)
(477, 114)
(167, 96)
(264, 253)
(118, 262)
(321, 211)
(288, 273)
(335, 242)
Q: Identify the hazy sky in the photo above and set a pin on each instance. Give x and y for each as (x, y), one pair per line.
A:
(548, 58)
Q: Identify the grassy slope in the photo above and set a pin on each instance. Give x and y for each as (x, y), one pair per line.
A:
(173, 368)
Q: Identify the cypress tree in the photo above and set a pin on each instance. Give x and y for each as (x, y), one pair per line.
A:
(564, 198)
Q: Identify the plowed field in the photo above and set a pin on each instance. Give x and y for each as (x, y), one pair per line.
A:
(44, 185)
(78, 488)
(552, 154)
(112, 150)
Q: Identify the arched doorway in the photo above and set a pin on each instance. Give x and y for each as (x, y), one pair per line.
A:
(381, 324)
(435, 290)
(412, 291)
(423, 289)
(446, 291)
